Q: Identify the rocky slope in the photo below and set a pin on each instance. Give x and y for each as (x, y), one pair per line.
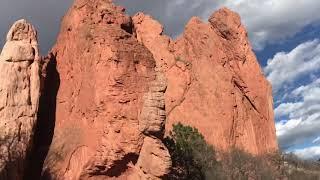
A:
(214, 81)
(19, 98)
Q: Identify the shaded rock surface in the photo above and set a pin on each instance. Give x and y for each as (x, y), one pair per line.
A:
(19, 98)
(214, 81)
(110, 98)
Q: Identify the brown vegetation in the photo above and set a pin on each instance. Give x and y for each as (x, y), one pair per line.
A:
(194, 159)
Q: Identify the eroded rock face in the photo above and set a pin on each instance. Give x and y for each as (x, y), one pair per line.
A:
(214, 81)
(153, 115)
(19, 98)
(109, 94)
(154, 161)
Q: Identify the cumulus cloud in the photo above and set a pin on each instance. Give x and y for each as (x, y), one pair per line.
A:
(268, 21)
(285, 109)
(285, 68)
(303, 122)
(308, 153)
(316, 141)
(287, 125)
(297, 131)
(298, 111)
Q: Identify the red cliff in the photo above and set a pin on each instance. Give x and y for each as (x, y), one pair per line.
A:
(214, 81)
(110, 102)
(122, 84)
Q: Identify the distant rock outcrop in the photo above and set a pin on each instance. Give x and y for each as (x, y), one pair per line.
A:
(19, 98)
(214, 81)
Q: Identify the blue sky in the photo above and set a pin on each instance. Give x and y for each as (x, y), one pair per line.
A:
(284, 35)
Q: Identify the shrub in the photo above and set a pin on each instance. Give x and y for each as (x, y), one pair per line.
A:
(302, 175)
(301, 169)
(192, 157)
(241, 165)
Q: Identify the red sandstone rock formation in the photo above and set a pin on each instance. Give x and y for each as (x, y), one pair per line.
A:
(120, 79)
(19, 98)
(110, 104)
(214, 81)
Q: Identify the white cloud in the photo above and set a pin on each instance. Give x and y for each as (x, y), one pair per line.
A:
(316, 141)
(286, 68)
(284, 126)
(268, 21)
(286, 108)
(304, 116)
(271, 21)
(294, 132)
(308, 153)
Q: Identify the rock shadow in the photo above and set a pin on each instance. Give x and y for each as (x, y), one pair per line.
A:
(122, 165)
(46, 120)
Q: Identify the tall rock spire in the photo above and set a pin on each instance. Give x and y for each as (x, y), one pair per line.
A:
(19, 98)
